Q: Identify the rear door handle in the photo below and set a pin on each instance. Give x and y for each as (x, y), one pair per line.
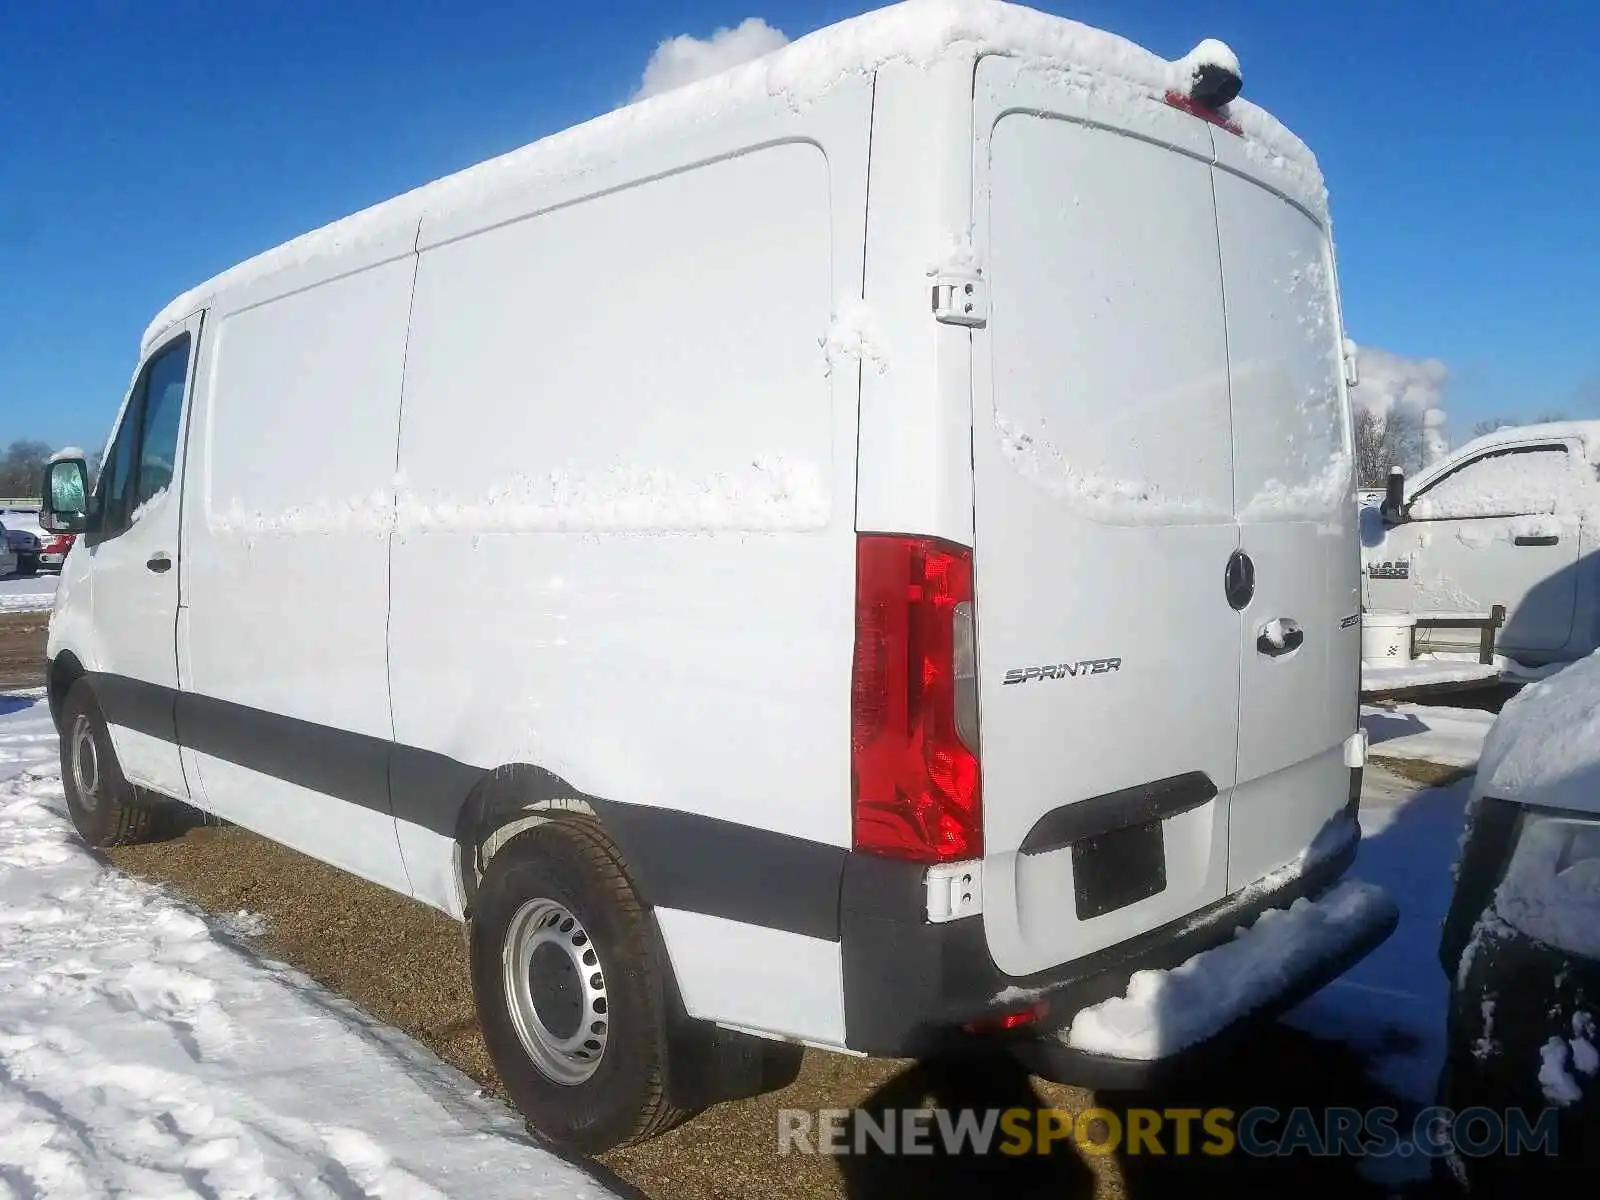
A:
(1280, 636)
(160, 562)
(1540, 539)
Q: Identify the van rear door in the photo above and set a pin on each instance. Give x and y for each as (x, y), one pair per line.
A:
(1300, 658)
(1109, 653)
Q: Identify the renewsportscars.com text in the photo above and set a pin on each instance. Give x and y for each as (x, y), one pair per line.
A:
(1215, 1132)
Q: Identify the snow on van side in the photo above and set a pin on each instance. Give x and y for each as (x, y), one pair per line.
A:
(769, 495)
(1130, 501)
(919, 32)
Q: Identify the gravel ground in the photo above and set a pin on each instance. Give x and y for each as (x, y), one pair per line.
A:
(406, 965)
(22, 640)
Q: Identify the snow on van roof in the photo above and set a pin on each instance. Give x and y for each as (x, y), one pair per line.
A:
(921, 32)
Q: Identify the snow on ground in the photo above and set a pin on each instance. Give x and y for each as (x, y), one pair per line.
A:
(22, 593)
(143, 1053)
(1452, 737)
(1391, 1005)
(1425, 673)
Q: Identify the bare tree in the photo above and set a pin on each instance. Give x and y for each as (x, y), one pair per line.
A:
(1386, 441)
(22, 466)
(1490, 424)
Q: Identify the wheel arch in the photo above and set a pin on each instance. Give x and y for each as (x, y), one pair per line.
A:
(61, 672)
(505, 801)
(714, 1063)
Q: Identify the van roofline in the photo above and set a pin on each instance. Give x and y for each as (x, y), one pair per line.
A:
(921, 32)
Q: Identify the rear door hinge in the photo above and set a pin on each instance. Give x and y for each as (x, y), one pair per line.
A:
(961, 300)
(1352, 369)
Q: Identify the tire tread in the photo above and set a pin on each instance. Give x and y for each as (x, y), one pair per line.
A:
(594, 844)
(129, 818)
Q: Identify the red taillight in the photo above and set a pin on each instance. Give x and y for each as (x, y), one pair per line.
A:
(914, 781)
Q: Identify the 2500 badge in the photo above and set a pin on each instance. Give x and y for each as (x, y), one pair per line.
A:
(1087, 666)
(1398, 568)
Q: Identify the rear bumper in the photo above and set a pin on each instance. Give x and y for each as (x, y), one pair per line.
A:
(911, 988)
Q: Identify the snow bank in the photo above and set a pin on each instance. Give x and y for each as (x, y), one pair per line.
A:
(140, 1055)
(1452, 737)
(919, 32)
(35, 593)
(1544, 749)
(1376, 680)
(1164, 1012)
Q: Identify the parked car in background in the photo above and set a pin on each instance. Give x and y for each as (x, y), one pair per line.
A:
(1521, 943)
(1506, 519)
(24, 537)
(53, 554)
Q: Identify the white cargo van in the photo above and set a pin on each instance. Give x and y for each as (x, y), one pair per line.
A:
(859, 552)
(1512, 518)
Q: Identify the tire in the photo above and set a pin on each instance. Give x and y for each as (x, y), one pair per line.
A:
(555, 902)
(28, 565)
(105, 808)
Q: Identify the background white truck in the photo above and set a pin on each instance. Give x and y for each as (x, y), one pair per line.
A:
(1512, 518)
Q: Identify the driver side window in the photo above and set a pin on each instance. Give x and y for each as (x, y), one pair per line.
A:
(144, 454)
(1521, 481)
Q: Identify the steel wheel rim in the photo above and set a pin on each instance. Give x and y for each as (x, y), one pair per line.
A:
(85, 763)
(569, 977)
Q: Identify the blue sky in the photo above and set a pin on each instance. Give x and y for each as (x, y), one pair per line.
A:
(143, 148)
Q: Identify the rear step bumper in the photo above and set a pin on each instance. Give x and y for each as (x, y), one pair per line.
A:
(1288, 972)
(911, 988)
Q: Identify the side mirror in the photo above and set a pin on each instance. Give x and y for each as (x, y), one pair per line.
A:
(1394, 497)
(65, 495)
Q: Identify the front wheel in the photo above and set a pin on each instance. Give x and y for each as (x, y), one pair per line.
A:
(569, 989)
(105, 808)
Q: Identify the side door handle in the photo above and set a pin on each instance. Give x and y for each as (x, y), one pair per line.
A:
(1280, 636)
(1537, 539)
(160, 562)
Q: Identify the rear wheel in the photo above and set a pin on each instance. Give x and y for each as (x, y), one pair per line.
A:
(105, 808)
(570, 991)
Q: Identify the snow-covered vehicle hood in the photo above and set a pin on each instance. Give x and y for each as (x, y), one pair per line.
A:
(1544, 749)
